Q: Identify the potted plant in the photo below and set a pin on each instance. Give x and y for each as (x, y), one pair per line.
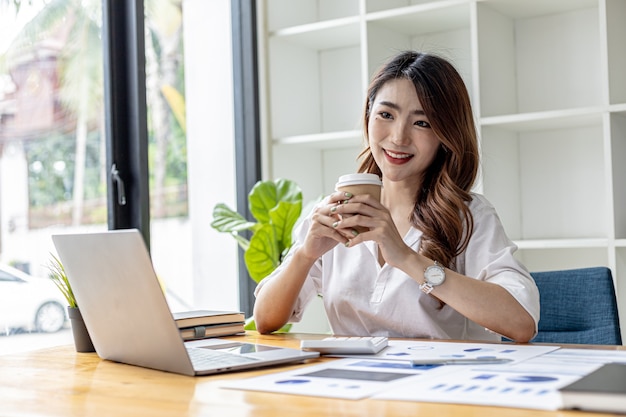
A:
(276, 206)
(56, 272)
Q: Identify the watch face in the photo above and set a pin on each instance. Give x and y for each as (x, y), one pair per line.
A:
(435, 275)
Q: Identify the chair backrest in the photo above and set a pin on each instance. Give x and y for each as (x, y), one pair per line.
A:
(578, 306)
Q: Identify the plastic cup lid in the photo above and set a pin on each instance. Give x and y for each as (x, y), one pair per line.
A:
(361, 178)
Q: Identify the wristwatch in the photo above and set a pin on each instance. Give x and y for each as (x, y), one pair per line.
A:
(434, 275)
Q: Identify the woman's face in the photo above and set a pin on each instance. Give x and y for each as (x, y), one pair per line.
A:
(400, 137)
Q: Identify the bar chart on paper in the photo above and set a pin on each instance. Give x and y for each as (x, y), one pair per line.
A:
(498, 387)
(531, 383)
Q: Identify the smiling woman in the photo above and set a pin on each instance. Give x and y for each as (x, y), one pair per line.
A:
(430, 258)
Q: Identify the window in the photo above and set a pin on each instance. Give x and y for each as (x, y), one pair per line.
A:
(58, 141)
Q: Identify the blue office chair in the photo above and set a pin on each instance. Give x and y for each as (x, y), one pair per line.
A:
(578, 306)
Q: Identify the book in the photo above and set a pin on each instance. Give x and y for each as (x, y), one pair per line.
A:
(602, 390)
(206, 317)
(214, 330)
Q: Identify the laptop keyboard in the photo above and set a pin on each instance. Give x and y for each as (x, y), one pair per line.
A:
(207, 358)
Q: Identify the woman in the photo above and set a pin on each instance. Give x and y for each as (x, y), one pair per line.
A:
(435, 261)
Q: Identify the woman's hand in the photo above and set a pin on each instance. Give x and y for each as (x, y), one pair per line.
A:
(363, 218)
(323, 235)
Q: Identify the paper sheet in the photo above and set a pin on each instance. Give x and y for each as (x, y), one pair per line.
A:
(407, 350)
(532, 383)
(531, 380)
(363, 376)
(344, 378)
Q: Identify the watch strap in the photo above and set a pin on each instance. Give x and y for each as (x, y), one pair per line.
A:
(426, 287)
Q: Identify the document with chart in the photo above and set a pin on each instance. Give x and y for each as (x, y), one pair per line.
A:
(364, 376)
(532, 383)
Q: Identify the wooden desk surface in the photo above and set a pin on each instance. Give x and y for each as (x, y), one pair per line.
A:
(60, 382)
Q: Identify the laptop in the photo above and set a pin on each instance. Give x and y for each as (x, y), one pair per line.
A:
(128, 318)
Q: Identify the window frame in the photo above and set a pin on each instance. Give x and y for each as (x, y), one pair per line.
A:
(128, 198)
(126, 119)
(247, 124)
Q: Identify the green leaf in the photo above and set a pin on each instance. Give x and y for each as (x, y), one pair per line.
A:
(250, 324)
(283, 217)
(261, 199)
(242, 241)
(287, 190)
(277, 207)
(265, 195)
(227, 220)
(262, 256)
(285, 329)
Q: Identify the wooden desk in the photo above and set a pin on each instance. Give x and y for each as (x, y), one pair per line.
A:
(60, 382)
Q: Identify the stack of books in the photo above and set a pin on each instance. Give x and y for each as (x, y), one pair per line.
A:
(200, 324)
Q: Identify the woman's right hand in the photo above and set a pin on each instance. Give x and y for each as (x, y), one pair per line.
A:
(322, 235)
(276, 298)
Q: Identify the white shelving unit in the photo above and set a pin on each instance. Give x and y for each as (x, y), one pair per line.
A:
(547, 80)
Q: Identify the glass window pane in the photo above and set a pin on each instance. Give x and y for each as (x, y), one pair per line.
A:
(191, 157)
(52, 159)
(52, 150)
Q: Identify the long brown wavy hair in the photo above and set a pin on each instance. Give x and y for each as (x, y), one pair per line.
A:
(441, 210)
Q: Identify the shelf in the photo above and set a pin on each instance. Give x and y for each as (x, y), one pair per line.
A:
(373, 6)
(556, 119)
(328, 140)
(561, 243)
(546, 80)
(533, 8)
(550, 259)
(618, 108)
(322, 35)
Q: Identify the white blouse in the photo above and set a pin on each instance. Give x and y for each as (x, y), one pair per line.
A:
(362, 298)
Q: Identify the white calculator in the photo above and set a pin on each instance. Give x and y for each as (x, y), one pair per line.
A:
(361, 345)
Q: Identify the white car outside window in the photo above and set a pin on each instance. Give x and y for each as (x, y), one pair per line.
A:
(29, 303)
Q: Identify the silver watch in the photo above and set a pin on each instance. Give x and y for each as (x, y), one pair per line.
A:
(434, 275)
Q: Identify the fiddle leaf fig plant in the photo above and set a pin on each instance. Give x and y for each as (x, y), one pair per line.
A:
(276, 206)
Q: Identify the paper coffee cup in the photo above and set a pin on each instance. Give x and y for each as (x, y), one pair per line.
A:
(358, 184)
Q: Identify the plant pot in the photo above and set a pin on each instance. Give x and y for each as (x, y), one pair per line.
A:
(82, 340)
